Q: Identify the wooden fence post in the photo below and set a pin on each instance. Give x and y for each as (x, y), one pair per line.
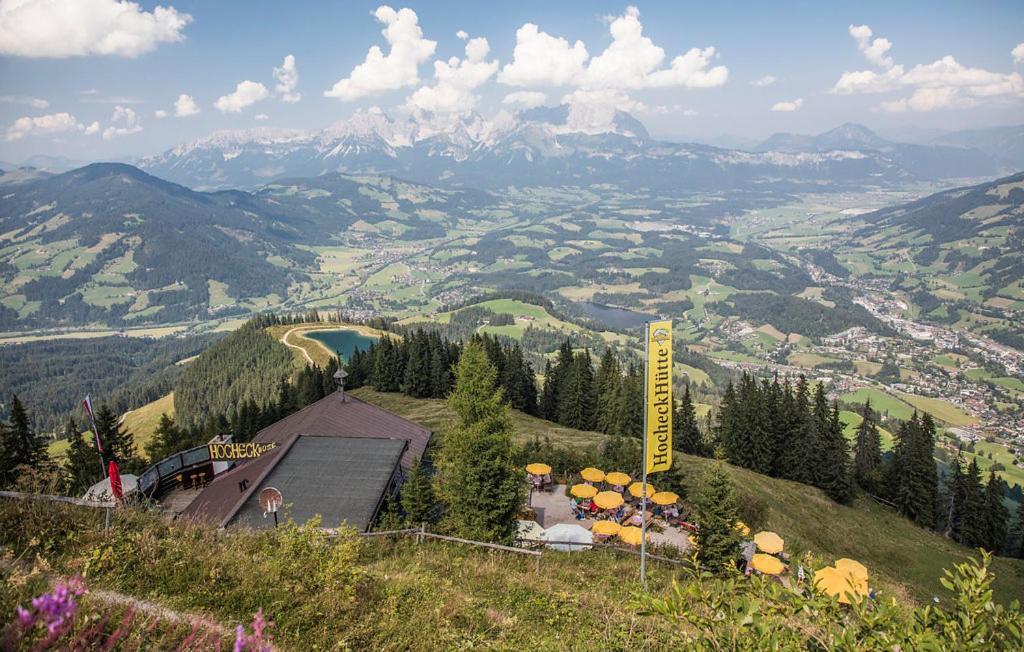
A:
(423, 528)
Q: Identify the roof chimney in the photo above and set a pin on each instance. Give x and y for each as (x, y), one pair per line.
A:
(339, 377)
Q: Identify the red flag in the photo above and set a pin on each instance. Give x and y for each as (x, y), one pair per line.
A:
(115, 480)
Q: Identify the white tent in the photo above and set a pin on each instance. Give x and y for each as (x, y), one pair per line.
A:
(100, 492)
(568, 532)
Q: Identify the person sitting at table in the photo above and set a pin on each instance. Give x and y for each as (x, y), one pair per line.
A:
(594, 509)
(670, 512)
(576, 509)
(538, 482)
(619, 513)
(547, 480)
(618, 488)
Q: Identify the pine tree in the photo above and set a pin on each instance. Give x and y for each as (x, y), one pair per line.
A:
(835, 477)
(118, 444)
(867, 458)
(973, 523)
(167, 439)
(728, 427)
(577, 402)
(926, 475)
(955, 495)
(820, 416)
(1019, 531)
(686, 435)
(83, 465)
(417, 382)
(549, 393)
(996, 515)
(479, 481)
(798, 455)
(630, 405)
(716, 514)
(19, 444)
(417, 496)
(607, 382)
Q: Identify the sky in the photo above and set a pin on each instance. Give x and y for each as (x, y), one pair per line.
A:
(110, 79)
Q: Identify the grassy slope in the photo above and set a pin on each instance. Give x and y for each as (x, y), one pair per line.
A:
(888, 544)
(142, 422)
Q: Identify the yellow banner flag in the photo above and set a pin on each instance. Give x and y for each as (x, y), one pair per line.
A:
(659, 396)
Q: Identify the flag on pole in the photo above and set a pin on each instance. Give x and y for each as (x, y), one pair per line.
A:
(114, 473)
(658, 408)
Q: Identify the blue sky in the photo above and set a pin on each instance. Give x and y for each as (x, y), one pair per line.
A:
(62, 83)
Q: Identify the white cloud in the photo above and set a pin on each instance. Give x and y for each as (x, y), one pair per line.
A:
(540, 59)
(1018, 53)
(942, 84)
(43, 125)
(456, 81)
(185, 106)
(526, 99)
(160, 113)
(92, 129)
(874, 51)
(462, 34)
(593, 110)
(123, 122)
(75, 28)
(246, 94)
(631, 61)
(788, 106)
(287, 79)
(767, 80)
(261, 116)
(34, 102)
(398, 68)
(666, 109)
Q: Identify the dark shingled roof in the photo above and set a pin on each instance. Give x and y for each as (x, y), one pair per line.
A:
(343, 479)
(336, 415)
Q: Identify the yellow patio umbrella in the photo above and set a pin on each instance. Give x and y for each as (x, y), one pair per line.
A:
(637, 489)
(853, 567)
(742, 528)
(590, 474)
(583, 490)
(608, 500)
(665, 498)
(617, 478)
(605, 528)
(839, 583)
(631, 535)
(767, 564)
(769, 542)
(538, 469)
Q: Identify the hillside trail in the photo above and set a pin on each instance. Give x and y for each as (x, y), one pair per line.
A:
(284, 340)
(138, 605)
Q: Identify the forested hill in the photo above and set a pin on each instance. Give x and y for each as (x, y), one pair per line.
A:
(110, 244)
(960, 213)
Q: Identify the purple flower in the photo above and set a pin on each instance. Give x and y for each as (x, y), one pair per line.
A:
(53, 609)
(259, 640)
(25, 616)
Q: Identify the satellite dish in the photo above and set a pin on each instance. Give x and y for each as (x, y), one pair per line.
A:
(271, 501)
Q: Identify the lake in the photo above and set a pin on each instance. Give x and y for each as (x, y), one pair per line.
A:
(615, 317)
(344, 341)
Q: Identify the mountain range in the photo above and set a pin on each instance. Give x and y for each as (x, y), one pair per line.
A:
(112, 244)
(559, 146)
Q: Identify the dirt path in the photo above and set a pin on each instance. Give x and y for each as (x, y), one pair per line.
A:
(284, 340)
(166, 614)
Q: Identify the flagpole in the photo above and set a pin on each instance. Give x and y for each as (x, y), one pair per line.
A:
(96, 434)
(643, 462)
